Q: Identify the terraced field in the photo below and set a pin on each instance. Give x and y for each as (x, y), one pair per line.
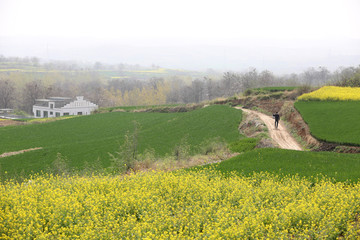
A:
(332, 121)
(332, 93)
(89, 138)
(260, 194)
(338, 166)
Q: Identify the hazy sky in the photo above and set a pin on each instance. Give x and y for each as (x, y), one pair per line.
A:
(280, 35)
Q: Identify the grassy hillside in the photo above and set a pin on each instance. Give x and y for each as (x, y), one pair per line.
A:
(339, 166)
(332, 121)
(89, 138)
(264, 90)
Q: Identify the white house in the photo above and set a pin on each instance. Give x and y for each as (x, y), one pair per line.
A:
(60, 106)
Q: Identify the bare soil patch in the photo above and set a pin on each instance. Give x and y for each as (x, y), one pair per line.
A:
(7, 154)
(290, 114)
(9, 122)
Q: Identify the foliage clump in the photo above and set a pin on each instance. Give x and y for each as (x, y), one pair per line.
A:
(351, 79)
(124, 160)
(244, 145)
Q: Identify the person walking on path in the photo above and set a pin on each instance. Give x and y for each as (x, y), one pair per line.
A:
(277, 118)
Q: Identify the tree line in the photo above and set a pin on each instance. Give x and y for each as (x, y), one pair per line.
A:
(19, 90)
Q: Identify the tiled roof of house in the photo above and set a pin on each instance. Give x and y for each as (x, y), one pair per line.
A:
(59, 101)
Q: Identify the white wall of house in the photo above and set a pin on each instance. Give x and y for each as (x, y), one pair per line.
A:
(77, 107)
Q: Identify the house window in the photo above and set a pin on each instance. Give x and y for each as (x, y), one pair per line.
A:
(46, 114)
(66, 114)
(79, 113)
(57, 114)
(38, 113)
(51, 113)
(51, 105)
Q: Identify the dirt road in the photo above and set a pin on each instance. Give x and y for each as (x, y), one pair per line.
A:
(281, 136)
(7, 154)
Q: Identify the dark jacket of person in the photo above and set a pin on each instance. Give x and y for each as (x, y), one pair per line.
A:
(277, 117)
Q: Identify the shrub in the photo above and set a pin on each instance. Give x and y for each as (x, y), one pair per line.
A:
(124, 160)
(266, 97)
(182, 150)
(303, 89)
(352, 81)
(244, 145)
(60, 166)
(247, 92)
(212, 146)
(276, 95)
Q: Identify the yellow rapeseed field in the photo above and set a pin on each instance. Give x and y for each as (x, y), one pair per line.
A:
(333, 93)
(178, 205)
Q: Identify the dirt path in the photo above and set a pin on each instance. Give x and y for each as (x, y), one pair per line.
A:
(281, 136)
(9, 122)
(7, 154)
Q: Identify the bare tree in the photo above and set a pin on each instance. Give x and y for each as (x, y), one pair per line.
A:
(176, 93)
(231, 83)
(266, 78)
(155, 82)
(93, 90)
(349, 77)
(7, 91)
(316, 77)
(309, 76)
(250, 79)
(212, 89)
(323, 76)
(187, 94)
(32, 91)
(198, 90)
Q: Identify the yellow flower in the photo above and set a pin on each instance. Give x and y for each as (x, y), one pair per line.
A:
(333, 93)
(178, 205)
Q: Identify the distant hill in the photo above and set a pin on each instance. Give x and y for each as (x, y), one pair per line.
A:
(118, 71)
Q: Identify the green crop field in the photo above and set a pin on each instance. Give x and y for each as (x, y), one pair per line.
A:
(268, 90)
(274, 89)
(338, 166)
(88, 138)
(332, 121)
(134, 108)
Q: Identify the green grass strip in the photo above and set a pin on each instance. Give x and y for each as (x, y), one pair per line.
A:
(339, 166)
(332, 121)
(89, 138)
